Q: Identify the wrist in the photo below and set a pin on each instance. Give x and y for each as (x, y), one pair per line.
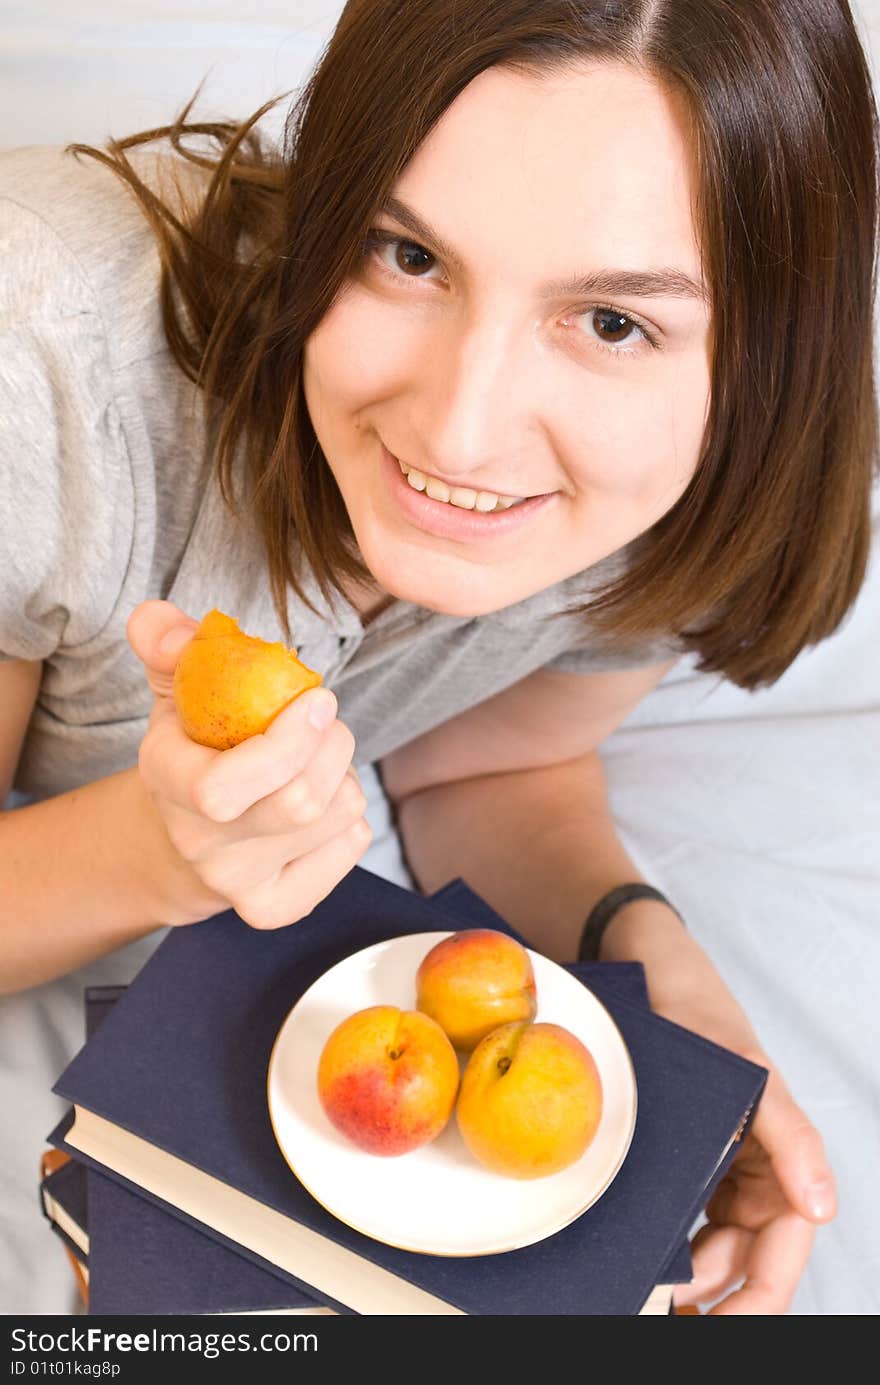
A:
(643, 930)
(176, 892)
(609, 906)
(683, 983)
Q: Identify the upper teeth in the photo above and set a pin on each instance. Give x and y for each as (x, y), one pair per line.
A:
(462, 496)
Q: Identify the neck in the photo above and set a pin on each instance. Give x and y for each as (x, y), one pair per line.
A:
(368, 599)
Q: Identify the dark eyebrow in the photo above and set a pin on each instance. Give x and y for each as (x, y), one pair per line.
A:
(628, 283)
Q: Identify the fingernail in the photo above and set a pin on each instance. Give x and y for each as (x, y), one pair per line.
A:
(820, 1198)
(322, 709)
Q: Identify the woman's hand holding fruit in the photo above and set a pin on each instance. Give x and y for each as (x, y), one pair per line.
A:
(269, 826)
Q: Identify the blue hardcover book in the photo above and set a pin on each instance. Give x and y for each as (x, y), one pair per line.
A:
(175, 1076)
(63, 1201)
(133, 1257)
(145, 1260)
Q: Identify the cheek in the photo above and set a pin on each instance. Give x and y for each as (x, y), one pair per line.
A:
(644, 439)
(358, 355)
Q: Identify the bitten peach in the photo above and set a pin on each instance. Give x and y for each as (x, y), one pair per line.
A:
(530, 1100)
(473, 981)
(229, 686)
(388, 1079)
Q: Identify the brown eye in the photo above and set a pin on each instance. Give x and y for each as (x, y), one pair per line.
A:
(612, 326)
(613, 332)
(398, 257)
(412, 258)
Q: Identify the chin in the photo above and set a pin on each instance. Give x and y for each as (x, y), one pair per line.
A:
(465, 607)
(445, 593)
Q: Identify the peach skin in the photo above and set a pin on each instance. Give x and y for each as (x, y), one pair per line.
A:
(473, 981)
(229, 686)
(530, 1100)
(388, 1079)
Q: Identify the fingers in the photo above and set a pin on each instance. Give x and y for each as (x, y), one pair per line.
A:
(252, 771)
(756, 1244)
(796, 1152)
(762, 1268)
(774, 1264)
(170, 764)
(719, 1255)
(751, 1194)
(303, 883)
(221, 785)
(237, 868)
(158, 631)
(325, 780)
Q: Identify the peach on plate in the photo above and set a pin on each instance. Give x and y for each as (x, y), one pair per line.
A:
(530, 1100)
(388, 1079)
(474, 981)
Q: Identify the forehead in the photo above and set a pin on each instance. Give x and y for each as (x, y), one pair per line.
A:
(593, 162)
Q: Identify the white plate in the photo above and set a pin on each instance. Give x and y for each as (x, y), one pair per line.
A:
(438, 1199)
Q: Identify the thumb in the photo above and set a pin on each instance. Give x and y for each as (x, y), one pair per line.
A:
(796, 1152)
(158, 632)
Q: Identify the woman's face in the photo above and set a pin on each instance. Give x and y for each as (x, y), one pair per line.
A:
(516, 382)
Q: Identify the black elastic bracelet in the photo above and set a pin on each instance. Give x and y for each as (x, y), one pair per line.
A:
(603, 912)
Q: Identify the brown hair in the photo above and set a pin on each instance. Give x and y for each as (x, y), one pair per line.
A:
(765, 551)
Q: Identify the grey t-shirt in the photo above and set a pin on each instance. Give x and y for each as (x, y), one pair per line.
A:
(104, 503)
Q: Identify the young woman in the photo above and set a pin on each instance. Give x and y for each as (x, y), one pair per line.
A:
(541, 355)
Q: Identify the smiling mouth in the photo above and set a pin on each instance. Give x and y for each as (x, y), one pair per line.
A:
(462, 497)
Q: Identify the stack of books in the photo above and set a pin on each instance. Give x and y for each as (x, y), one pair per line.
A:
(177, 1198)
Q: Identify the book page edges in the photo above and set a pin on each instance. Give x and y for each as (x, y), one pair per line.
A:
(330, 1268)
(658, 1302)
(62, 1218)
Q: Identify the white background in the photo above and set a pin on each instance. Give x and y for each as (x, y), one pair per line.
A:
(86, 71)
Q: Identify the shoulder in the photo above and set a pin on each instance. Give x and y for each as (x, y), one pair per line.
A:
(75, 240)
(86, 384)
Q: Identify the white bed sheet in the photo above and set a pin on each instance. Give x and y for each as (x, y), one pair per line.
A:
(758, 814)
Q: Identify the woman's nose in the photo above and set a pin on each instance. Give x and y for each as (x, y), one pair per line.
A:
(475, 403)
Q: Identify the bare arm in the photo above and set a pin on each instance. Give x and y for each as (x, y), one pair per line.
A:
(537, 844)
(511, 796)
(268, 827)
(82, 873)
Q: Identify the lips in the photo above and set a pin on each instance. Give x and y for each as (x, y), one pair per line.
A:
(446, 520)
(463, 497)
